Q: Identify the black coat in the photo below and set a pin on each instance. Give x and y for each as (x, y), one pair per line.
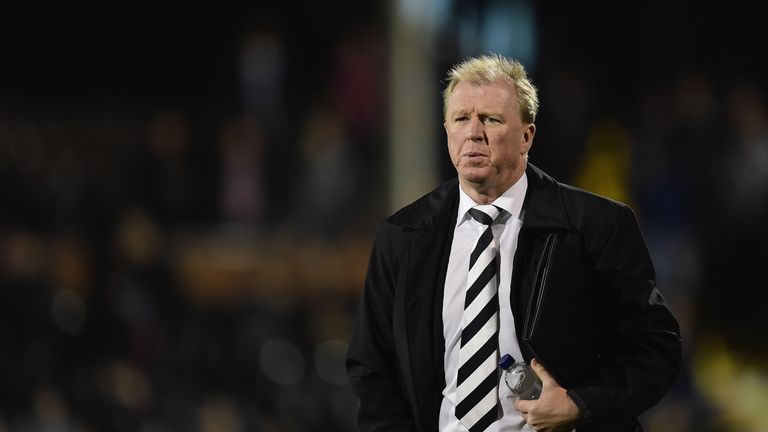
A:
(583, 294)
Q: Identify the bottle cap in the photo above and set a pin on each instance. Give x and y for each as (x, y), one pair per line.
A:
(506, 361)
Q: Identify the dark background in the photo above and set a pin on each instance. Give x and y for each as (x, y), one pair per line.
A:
(189, 194)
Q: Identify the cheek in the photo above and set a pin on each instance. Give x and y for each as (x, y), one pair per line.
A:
(504, 153)
(454, 146)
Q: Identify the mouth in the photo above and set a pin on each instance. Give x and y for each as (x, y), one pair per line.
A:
(474, 155)
(474, 159)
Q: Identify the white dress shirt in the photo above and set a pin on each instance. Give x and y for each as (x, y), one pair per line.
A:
(464, 238)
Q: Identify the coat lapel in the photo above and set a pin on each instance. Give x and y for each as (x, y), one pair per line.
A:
(543, 213)
(428, 252)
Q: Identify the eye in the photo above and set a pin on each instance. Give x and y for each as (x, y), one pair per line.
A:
(460, 119)
(489, 119)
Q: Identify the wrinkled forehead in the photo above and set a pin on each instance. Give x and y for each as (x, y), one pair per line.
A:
(498, 94)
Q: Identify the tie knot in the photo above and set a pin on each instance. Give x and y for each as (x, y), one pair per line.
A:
(485, 214)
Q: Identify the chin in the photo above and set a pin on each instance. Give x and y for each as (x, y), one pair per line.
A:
(477, 173)
(473, 177)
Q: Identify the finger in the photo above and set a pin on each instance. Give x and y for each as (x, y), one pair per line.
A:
(522, 406)
(541, 372)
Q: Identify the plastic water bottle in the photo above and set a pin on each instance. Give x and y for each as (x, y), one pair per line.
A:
(522, 381)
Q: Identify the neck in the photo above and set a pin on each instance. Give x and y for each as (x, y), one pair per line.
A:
(485, 193)
(479, 195)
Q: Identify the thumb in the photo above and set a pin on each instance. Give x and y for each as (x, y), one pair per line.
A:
(545, 377)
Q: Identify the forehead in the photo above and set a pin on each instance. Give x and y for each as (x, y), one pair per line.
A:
(498, 95)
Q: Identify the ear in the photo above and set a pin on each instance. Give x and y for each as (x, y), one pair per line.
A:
(528, 132)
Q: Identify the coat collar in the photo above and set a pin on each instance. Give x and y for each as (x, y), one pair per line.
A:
(543, 206)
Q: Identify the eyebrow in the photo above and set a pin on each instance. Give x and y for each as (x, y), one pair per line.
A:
(480, 113)
(458, 112)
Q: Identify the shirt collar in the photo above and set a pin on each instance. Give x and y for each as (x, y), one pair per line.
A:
(511, 200)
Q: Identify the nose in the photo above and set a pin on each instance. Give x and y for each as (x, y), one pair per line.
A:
(476, 131)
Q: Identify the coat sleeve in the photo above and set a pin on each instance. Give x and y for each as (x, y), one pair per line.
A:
(641, 353)
(371, 359)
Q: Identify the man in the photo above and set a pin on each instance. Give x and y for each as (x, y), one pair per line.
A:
(504, 259)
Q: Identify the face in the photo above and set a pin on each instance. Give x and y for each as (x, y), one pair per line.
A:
(487, 140)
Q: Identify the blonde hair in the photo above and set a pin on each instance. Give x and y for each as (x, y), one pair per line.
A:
(488, 68)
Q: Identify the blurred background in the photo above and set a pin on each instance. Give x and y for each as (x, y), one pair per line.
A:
(190, 192)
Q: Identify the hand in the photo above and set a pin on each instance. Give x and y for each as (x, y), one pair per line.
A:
(554, 411)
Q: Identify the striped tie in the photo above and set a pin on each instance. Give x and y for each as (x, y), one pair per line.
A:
(477, 384)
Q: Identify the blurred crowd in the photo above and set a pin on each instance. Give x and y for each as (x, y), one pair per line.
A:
(171, 268)
(174, 269)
